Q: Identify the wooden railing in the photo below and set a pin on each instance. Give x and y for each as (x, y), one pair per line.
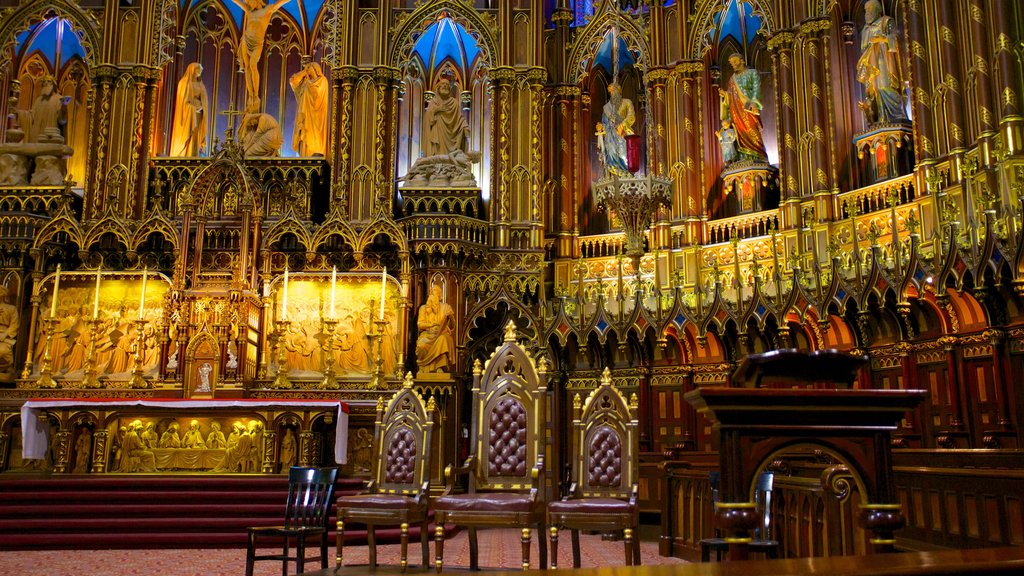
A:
(985, 562)
(961, 498)
(813, 511)
(951, 499)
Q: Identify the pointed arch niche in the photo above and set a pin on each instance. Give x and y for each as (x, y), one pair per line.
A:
(600, 74)
(209, 32)
(53, 47)
(446, 46)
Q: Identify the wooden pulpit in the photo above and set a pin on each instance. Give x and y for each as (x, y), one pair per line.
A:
(810, 403)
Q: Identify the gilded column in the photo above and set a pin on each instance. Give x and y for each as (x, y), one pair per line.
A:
(813, 34)
(99, 451)
(656, 93)
(781, 49)
(536, 77)
(343, 81)
(689, 199)
(62, 455)
(386, 83)
(307, 447)
(1008, 81)
(951, 78)
(920, 80)
(567, 102)
(146, 86)
(979, 73)
(502, 79)
(102, 81)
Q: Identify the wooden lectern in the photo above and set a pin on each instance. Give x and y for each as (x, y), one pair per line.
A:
(810, 403)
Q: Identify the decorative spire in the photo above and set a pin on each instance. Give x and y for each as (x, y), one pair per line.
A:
(510, 331)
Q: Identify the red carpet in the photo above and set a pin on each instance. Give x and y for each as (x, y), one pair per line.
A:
(498, 549)
(40, 512)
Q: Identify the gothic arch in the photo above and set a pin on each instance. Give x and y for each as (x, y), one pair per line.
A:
(473, 22)
(704, 21)
(592, 37)
(81, 21)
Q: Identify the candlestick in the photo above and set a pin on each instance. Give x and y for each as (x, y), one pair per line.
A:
(334, 281)
(96, 297)
(53, 298)
(383, 289)
(142, 297)
(284, 298)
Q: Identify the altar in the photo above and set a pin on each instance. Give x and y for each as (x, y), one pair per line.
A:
(266, 436)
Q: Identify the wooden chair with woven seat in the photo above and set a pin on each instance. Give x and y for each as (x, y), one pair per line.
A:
(508, 442)
(603, 493)
(310, 495)
(762, 541)
(398, 494)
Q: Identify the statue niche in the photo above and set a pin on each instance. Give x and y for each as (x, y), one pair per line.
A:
(447, 160)
(39, 142)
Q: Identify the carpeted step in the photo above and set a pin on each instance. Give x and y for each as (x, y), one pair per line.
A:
(137, 512)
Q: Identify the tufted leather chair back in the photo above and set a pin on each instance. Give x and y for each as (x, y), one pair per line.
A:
(510, 418)
(605, 442)
(605, 458)
(507, 428)
(404, 433)
(400, 457)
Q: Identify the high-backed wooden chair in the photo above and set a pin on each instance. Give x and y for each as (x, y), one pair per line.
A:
(603, 493)
(310, 494)
(508, 443)
(398, 494)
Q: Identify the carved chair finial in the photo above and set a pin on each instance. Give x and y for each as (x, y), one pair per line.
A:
(510, 331)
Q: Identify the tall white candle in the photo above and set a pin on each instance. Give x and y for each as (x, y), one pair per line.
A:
(284, 298)
(383, 289)
(53, 298)
(96, 297)
(142, 297)
(334, 281)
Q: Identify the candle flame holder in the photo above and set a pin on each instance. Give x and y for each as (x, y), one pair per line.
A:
(137, 380)
(45, 379)
(281, 381)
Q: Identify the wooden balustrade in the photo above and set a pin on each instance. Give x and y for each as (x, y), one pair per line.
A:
(961, 498)
(984, 562)
(951, 499)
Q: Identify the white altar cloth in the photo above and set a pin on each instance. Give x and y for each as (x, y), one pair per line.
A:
(34, 431)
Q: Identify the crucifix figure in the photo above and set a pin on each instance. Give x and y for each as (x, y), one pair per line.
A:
(254, 33)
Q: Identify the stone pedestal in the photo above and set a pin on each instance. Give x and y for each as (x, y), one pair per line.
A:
(885, 151)
(49, 154)
(13, 169)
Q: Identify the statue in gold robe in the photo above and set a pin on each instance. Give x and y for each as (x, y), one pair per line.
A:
(311, 89)
(191, 113)
(435, 344)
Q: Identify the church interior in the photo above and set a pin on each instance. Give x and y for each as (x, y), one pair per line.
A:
(742, 277)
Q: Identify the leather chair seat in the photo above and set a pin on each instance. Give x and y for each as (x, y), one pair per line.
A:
(485, 501)
(590, 506)
(378, 502)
